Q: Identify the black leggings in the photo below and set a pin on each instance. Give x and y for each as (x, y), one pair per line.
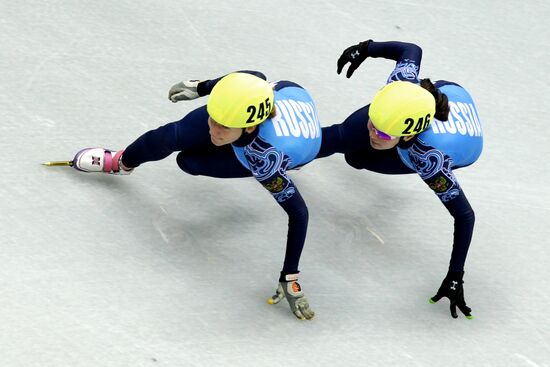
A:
(197, 155)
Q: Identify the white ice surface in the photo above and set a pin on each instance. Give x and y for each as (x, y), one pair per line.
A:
(165, 269)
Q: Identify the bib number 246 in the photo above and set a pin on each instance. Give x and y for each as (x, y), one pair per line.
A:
(419, 126)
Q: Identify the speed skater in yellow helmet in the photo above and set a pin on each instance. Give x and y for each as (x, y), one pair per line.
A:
(402, 109)
(240, 100)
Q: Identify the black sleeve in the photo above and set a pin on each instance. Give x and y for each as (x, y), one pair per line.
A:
(205, 87)
(298, 217)
(464, 218)
(434, 167)
(407, 56)
(398, 51)
(269, 166)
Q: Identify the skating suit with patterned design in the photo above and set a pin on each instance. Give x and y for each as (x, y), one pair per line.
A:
(445, 145)
(290, 139)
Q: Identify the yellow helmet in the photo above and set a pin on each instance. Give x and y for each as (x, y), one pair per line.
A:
(240, 100)
(402, 109)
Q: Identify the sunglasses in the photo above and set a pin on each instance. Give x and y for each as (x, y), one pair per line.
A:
(382, 135)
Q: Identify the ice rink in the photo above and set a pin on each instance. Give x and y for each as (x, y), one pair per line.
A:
(165, 269)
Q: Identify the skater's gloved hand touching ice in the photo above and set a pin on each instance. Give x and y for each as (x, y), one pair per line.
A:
(184, 91)
(291, 289)
(452, 288)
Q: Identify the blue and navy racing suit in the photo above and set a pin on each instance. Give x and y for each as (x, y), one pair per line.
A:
(432, 154)
(290, 139)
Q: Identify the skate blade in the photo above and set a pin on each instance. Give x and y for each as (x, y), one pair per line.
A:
(58, 163)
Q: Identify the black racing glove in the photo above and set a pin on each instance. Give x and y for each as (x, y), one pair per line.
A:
(452, 289)
(355, 55)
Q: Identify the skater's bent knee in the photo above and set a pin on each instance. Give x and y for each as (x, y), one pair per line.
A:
(187, 164)
(355, 160)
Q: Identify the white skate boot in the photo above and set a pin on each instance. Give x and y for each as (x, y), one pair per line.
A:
(100, 160)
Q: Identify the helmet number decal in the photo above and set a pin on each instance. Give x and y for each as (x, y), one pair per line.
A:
(263, 109)
(421, 125)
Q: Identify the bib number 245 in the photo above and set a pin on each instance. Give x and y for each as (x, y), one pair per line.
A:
(258, 112)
